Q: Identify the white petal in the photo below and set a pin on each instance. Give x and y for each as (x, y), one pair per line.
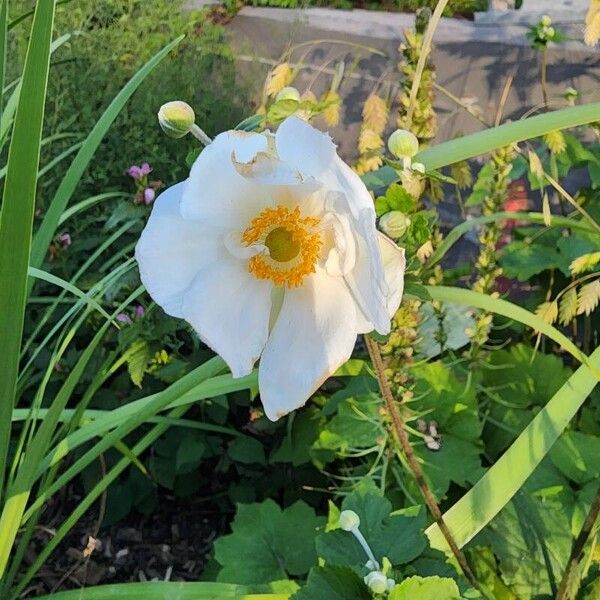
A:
(171, 251)
(230, 309)
(313, 336)
(216, 192)
(313, 154)
(394, 264)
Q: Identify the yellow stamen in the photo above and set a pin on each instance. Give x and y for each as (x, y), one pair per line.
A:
(293, 245)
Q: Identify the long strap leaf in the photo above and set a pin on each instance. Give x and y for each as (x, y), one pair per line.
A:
(502, 481)
(81, 161)
(18, 208)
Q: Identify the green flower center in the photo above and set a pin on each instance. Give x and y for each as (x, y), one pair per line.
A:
(282, 244)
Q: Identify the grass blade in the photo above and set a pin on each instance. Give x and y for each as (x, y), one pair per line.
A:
(3, 43)
(69, 182)
(503, 480)
(17, 212)
(482, 142)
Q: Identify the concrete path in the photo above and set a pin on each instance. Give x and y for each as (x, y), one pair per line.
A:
(473, 62)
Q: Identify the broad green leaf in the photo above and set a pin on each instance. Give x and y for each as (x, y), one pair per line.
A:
(247, 450)
(577, 456)
(18, 208)
(333, 583)
(268, 543)
(425, 588)
(522, 261)
(395, 535)
(495, 489)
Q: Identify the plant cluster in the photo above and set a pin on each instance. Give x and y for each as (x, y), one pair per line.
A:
(455, 457)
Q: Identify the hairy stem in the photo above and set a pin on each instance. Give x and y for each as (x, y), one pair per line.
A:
(544, 76)
(413, 463)
(577, 550)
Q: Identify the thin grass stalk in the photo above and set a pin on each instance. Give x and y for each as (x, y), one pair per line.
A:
(423, 56)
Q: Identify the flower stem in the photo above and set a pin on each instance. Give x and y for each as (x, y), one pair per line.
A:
(365, 546)
(544, 76)
(200, 135)
(415, 467)
(577, 549)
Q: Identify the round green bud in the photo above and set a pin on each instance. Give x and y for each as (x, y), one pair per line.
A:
(377, 582)
(546, 21)
(549, 31)
(349, 520)
(176, 118)
(288, 93)
(394, 224)
(403, 144)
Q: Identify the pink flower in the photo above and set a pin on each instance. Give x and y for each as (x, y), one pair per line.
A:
(134, 171)
(124, 318)
(65, 239)
(139, 311)
(149, 195)
(145, 169)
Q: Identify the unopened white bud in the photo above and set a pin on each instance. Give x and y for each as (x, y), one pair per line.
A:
(403, 144)
(394, 224)
(349, 520)
(288, 93)
(377, 582)
(176, 118)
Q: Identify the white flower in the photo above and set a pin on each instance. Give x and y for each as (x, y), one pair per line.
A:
(269, 249)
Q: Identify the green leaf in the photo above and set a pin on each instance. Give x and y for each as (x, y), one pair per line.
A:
(577, 456)
(442, 398)
(333, 583)
(495, 489)
(268, 543)
(16, 219)
(397, 536)
(425, 588)
(303, 430)
(522, 261)
(246, 450)
(69, 182)
(189, 453)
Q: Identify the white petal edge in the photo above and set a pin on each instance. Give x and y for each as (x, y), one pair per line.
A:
(229, 310)
(313, 336)
(171, 251)
(216, 193)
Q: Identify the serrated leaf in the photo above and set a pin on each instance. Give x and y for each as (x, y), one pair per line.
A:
(397, 536)
(267, 543)
(588, 298)
(138, 358)
(568, 306)
(425, 588)
(333, 583)
(522, 261)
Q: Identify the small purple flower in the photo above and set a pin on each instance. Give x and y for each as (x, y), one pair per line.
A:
(145, 169)
(124, 318)
(65, 239)
(149, 195)
(135, 172)
(139, 311)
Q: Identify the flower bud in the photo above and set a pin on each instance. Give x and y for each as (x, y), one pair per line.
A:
(349, 520)
(546, 21)
(176, 118)
(549, 31)
(394, 224)
(288, 93)
(149, 195)
(377, 582)
(403, 144)
(418, 167)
